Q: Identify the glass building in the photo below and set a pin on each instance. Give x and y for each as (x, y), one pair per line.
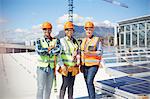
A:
(133, 33)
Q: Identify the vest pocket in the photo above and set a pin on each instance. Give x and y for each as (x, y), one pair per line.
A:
(91, 48)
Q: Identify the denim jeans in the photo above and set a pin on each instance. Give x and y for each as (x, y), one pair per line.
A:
(89, 74)
(68, 82)
(44, 83)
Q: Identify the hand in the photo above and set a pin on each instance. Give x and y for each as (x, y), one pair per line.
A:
(50, 47)
(64, 68)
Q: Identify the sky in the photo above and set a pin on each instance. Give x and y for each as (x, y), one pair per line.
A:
(21, 19)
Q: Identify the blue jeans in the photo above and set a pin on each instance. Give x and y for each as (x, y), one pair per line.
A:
(44, 83)
(89, 74)
(68, 82)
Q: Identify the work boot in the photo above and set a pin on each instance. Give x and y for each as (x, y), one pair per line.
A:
(62, 94)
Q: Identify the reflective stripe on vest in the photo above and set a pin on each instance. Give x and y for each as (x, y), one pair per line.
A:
(67, 55)
(90, 59)
(45, 60)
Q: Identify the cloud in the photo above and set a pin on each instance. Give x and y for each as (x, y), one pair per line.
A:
(19, 30)
(80, 21)
(105, 23)
(21, 34)
(36, 26)
(36, 29)
(77, 19)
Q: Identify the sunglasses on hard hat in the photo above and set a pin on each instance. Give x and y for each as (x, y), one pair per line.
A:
(47, 29)
(89, 29)
(69, 29)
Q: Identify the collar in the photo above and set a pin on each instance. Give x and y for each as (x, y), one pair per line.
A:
(48, 39)
(91, 37)
(68, 39)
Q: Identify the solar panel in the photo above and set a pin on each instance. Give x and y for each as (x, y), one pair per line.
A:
(135, 70)
(130, 69)
(127, 87)
(115, 60)
(121, 81)
(122, 67)
(146, 77)
(144, 65)
(143, 88)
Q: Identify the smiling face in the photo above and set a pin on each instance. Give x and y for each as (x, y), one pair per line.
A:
(69, 32)
(47, 32)
(89, 32)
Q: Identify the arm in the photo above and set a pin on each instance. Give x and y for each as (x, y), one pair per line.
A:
(78, 55)
(39, 49)
(60, 62)
(56, 49)
(99, 50)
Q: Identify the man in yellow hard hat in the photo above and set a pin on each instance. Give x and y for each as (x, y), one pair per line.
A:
(47, 48)
(69, 66)
(91, 52)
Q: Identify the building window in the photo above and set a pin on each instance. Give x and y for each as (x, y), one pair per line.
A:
(128, 28)
(128, 39)
(122, 39)
(141, 26)
(142, 38)
(148, 25)
(148, 38)
(122, 29)
(134, 39)
(134, 27)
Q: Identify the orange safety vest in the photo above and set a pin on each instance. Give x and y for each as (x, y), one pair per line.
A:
(89, 57)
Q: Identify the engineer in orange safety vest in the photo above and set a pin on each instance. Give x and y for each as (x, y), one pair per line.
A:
(91, 52)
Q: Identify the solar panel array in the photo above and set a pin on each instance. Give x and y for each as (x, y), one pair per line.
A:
(127, 87)
(131, 69)
(135, 69)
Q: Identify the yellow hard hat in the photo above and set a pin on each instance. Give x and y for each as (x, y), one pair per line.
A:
(89, 25)
(68, 25)
(46, 25)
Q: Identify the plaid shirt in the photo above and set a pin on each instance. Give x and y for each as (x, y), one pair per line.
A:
(44, 51)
